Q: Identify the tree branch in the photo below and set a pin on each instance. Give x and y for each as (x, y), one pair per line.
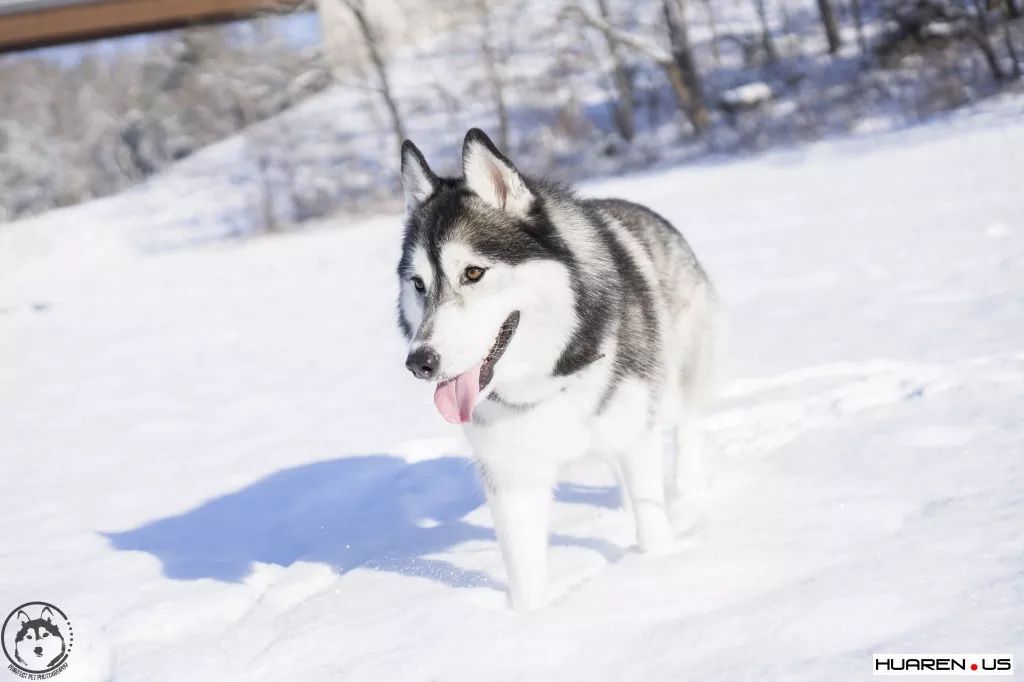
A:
(655, 53)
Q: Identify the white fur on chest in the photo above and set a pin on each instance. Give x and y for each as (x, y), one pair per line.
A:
(519, 447)
(515, 446)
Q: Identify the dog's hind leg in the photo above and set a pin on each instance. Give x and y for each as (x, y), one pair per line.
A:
(701, 329)
(687, 446)
(643, 471)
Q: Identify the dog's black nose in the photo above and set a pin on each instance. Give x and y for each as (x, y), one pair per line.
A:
(38, 651)
(423, 362)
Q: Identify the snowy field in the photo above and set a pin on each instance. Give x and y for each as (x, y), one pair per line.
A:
(215, 462)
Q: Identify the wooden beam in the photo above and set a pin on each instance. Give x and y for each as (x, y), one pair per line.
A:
(69, 23)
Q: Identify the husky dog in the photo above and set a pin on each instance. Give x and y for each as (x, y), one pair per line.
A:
(554, 327)
(38, 645)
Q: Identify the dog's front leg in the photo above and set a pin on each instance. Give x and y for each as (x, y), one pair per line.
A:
(521, 523)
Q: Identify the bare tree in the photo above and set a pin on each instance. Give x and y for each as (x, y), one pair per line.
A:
(357, 9)
(959, 19)
(857, 9)
(766, 31)
(83, 129)
(674, 12)
(716, 51)
(492, 65)
(980, 32)
(625, 117)
(689, 99)
(1011, 49)
(828, 20)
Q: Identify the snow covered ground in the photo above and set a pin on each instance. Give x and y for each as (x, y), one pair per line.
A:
(216, 464)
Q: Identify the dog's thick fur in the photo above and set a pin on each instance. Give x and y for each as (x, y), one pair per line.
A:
(613, 339)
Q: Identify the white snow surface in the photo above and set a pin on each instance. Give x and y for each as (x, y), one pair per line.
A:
(215, 462)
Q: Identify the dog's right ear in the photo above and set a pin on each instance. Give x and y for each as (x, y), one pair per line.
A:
(418, 181)
(23, 617)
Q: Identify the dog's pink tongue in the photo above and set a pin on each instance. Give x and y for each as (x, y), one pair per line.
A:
(454, 399)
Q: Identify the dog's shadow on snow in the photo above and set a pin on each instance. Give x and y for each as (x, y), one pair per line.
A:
(376, 511)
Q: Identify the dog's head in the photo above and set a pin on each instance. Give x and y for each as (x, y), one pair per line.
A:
(485, 293)
(38, 644)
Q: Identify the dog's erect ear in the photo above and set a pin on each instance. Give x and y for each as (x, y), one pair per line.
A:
(47, 614)
(418, 181)
(23, 617)
(491, 176)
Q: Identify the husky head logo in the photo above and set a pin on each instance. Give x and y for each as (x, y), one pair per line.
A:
(38, 642)
(486, 287)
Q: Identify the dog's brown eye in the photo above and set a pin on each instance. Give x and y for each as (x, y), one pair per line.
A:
(418, 283)
(46, 634)
(473, 273)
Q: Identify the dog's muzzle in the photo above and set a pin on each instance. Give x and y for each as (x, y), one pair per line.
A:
(423, 362)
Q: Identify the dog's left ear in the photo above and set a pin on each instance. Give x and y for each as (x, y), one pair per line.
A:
(492, 177)
(23, 617)
(47, 614)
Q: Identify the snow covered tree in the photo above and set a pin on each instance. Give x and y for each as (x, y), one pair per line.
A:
(375, 52)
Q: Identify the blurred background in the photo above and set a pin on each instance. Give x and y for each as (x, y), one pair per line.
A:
(313, 98)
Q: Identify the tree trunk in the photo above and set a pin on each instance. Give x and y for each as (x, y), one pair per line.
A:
(713, 25)
(677, 63)
(1013, 10)
(683, 73)
(358, 10)
(858, 20)
(625, 118)
(684, 97)
(766, 32)
(1011, 49)
(493, 68)
(981, 37)
(828, 20)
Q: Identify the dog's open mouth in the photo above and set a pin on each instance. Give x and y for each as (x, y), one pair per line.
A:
(456, 397)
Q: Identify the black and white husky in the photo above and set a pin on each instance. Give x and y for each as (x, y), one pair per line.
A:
(554, 327)
(38, 644)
